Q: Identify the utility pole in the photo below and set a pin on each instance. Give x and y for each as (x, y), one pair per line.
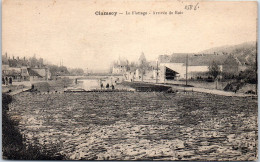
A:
(256, 70)
(187, 70)
(157, 73)
(165, 75)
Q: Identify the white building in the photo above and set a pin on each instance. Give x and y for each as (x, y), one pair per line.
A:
(197, 64)
(118, 69)
(192, 70)
(178, 67)
(120, 66)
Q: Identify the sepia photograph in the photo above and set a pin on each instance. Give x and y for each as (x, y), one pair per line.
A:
(167, 80)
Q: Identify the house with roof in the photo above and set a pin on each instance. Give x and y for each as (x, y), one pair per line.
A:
(120, 66)
(33, 75)
(178, 68)
(197, 65)
(18, 69)
(24, 74)
(44, 72)
(12, 73)
(147, 71)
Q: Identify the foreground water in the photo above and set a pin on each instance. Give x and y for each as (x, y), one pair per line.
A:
(95, 83)
(140, 126)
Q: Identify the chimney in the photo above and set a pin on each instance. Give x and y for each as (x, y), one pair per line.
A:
(13, 57)
(23, 58)
(6, 55)
(17, 57)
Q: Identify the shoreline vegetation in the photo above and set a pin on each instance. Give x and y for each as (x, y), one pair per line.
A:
(14, 145)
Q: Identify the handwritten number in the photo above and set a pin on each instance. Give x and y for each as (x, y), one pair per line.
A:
(196, 6)
(190, 7)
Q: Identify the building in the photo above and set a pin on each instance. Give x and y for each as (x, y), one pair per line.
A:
(25, 74)
(129, 76)
(18, 69)
(119, 69)
(197, 65)
(44, 72)
(33, 75)
(173, 67)
(120, 66)
(12, 73)
(179, 68)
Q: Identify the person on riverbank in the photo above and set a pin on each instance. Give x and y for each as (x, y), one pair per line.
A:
(113, 87)
(107, 86)
(6, 80)
(237, 88)
(101, 85)
(3, 81)
(10, 81)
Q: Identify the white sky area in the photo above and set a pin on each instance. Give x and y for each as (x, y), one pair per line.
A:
(70, 30)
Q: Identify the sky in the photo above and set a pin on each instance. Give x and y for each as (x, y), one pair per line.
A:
(69, 30)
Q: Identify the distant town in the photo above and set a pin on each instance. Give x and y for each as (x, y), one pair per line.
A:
(15, 69)
(209, 98)
(233, 63)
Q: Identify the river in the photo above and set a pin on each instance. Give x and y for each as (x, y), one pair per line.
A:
(140, 126)
(92, 83)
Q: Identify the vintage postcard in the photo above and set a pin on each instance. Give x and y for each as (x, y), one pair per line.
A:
(129, 80)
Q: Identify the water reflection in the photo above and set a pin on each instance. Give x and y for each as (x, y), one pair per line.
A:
(91, 84)
(95, 83)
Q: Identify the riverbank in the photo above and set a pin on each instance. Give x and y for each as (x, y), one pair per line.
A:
(179, 86)
(39, 86)
(14, 145)
(13, 88)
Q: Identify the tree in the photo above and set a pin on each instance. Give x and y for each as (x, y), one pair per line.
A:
(142, 65)
(54, 69)
(76, 71)
(249, 75)
(63, 70)
(214, 70)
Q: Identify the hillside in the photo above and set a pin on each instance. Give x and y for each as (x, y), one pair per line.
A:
(245, 52)
(230, 48)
